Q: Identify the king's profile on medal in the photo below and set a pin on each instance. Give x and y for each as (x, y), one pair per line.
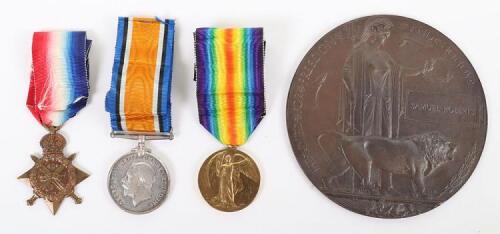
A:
(138, 182)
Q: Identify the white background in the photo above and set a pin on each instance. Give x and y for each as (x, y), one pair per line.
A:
(287, 201)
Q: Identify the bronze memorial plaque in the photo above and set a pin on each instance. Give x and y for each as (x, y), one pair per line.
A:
(386, 116)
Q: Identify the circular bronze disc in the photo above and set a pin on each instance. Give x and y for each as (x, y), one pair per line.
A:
(53, 177)
(386, 116)
(229, 180)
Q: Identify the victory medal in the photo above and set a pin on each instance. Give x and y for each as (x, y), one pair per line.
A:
(230, 91)
(58, 90)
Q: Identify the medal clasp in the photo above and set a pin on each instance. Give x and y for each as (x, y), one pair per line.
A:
(141, 146)
(142, 137)
(146, 135)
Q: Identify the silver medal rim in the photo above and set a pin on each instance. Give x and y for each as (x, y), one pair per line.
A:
(133, 154)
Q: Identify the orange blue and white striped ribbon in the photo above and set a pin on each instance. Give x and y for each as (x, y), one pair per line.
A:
(139, 97)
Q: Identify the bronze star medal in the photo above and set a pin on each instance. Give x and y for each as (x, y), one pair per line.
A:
(58, 90)
(53, 177)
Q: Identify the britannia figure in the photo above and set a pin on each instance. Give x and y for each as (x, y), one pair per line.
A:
(228, 171)
(371, 91)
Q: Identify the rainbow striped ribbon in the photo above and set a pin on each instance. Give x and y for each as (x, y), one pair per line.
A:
(139, 97)
(230, 81)
(59, 85)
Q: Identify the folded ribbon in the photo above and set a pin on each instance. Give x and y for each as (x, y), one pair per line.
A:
(59, 85)
(230, 81)
(139, 97)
